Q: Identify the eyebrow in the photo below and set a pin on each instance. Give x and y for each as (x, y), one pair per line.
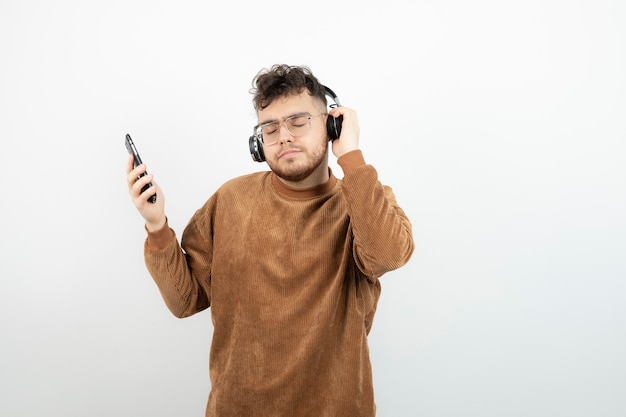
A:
(302, 113)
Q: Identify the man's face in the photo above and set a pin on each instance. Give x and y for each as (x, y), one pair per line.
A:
(303, 156)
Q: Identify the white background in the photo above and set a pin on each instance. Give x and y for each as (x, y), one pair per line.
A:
(500, 125)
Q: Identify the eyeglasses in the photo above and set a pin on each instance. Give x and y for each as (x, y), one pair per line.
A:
(296, 125)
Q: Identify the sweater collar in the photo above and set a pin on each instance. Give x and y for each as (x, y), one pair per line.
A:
(315, 191)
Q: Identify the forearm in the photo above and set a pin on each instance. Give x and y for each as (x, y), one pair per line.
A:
(383, 236)
(167, 263)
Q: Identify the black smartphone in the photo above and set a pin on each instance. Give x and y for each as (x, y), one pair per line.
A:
(132, 149)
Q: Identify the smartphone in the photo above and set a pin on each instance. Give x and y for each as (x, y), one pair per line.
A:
(132, 149)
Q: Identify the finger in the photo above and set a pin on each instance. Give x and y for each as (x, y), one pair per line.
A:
(148, 192)
(134, 189)
(129, 163)
(149, 210)
(139, 183)
(134, 174)
(335, 112)
(338, 111)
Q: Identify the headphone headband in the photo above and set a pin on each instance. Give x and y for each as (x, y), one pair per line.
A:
(332, 95)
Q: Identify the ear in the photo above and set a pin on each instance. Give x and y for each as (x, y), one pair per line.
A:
(333, 126)
(256, 149)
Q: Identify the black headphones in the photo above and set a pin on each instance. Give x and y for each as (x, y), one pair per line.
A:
(333, 126)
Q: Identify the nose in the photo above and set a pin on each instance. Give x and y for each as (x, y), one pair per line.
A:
(284, 135)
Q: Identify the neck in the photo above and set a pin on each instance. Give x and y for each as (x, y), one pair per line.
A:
(283, 187)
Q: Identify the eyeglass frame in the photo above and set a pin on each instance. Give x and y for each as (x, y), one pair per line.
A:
(258, 129)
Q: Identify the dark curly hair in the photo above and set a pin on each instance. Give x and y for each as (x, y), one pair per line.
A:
(282, 80)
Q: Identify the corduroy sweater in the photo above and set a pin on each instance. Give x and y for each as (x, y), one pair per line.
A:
(292, 279)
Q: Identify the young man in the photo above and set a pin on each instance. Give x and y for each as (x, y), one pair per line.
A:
(289, 261)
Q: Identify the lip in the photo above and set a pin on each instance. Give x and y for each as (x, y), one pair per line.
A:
(288, 152)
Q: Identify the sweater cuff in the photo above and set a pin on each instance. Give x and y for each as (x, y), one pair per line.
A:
(159, 239)
(351, 160)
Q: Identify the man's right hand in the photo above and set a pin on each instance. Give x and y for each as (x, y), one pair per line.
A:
(153, 213)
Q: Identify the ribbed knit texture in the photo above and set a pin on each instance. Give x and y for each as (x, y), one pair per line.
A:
(291, 277)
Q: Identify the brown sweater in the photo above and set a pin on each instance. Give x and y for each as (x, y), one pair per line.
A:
(291, 277)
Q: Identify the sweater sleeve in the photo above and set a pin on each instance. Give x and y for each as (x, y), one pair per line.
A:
(182, 275)
(383, 237)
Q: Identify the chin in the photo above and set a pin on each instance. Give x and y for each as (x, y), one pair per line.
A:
(293, 175)
(290, 170)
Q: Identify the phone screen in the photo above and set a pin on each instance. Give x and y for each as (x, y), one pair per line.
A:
(132, 149)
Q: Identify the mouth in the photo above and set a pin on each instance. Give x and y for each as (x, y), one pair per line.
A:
(288, 152)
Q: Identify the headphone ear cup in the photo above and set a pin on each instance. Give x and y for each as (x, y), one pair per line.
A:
(256, 150)
(333, 126)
